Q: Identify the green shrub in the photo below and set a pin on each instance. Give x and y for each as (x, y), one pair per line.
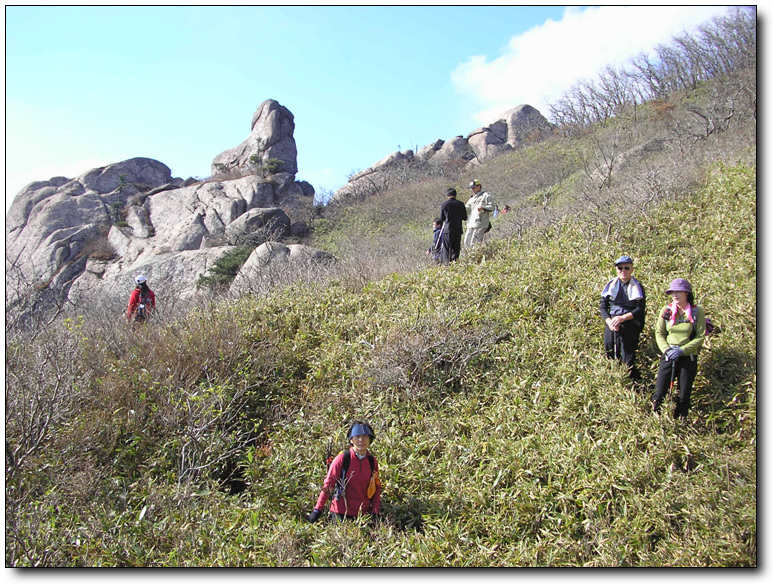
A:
(223, 272)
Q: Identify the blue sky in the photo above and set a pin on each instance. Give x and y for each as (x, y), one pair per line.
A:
(87, 86)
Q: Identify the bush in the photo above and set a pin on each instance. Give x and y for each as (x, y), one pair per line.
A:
(225, 269)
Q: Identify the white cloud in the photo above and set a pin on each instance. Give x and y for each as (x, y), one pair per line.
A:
(542, 63)
(15, 181)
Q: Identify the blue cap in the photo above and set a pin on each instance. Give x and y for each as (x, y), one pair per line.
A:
(360, 429)
(624, 260)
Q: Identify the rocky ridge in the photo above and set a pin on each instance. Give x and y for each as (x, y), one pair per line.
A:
(89, 236)
(516, 128)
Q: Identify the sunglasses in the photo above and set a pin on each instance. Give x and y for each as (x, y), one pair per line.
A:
(626, 268)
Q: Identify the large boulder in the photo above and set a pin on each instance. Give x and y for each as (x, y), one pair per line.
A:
(525, 126)
(272, 260)
(257, 224)
(271, 137)
(489, 142)
(426, 153)
(172, 276)
(457, 148)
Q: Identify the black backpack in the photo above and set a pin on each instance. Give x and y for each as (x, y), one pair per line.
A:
(142, 309)
(341, 482)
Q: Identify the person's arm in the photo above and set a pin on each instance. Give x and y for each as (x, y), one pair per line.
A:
(661, 332)
(133, 301)
(328, 487)
(640, 310)
(488, 203)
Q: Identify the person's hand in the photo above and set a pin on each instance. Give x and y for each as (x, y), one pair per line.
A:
(675, 353)
(313, 516)
(613, 324)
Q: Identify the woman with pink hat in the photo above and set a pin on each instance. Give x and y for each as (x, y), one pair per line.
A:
(679, 332)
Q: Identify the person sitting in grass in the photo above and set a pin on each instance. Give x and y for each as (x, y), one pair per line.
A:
(352, 480)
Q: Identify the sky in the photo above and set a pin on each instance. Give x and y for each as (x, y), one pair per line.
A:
(86, 86)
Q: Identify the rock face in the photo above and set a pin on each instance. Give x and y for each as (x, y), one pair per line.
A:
(271, 139)
(271, 259)
(516, 128)
(89, 236)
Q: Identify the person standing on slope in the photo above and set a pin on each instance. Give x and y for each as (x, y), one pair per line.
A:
(679, 332)
(352, 479)
(452, 213)
(623, 306)
(479, 210)
(142, 302)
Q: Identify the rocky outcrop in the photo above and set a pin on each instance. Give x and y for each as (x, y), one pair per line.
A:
(91, 235)
(272, 260)
(270, 145)
(516, 128)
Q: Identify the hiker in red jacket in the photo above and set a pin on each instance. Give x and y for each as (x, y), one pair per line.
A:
(354, 490)
(142, 301)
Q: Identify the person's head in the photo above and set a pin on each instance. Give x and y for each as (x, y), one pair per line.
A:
(360, 436)
(624, 267)
(451, 193)
(680, 291)
(475, 186)
(436, 223)
(141, 281)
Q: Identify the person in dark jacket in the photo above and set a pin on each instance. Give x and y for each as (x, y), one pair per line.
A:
(435, 249)
(356, 490)
(452, 213)
(623, 305)
(679, 333)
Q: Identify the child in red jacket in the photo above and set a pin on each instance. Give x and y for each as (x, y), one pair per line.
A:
(355, 487)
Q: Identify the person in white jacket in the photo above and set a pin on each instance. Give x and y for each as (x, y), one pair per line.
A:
(479, 209)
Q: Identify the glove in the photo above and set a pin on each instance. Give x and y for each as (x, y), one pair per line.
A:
(313, 516)
(674, 353)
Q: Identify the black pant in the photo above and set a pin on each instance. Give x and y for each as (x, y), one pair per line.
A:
(622, 345)
(452, 246)
(684, 371)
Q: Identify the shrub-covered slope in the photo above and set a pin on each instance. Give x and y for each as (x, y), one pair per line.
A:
(505, 437)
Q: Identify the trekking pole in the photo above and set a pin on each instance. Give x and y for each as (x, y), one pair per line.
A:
(615, 340)
(673, 375)
(439, 243)
(329, 453)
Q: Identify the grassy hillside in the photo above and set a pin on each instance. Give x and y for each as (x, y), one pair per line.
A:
(504, 435)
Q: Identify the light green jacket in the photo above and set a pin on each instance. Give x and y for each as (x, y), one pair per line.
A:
(474, 218)
(680, 333)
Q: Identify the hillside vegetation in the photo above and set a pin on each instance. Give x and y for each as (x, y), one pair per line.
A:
(505, 436)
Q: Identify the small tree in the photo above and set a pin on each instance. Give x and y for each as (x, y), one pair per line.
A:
(225, 269)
